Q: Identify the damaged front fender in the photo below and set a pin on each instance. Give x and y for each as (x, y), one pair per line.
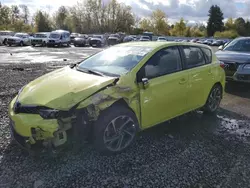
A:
(105, 98)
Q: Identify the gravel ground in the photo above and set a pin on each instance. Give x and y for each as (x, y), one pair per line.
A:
(195, 150)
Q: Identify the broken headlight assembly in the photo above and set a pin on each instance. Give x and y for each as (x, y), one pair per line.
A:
(49, 113)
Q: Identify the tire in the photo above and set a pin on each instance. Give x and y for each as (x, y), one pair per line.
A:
(75, 45)
(21, 43)
(44, 43)
(122, 135)
(5, 42)
(214, 99)
(33, 45)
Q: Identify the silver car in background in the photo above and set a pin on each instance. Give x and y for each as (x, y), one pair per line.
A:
(40, 39)
(19, 39)
(4, 35)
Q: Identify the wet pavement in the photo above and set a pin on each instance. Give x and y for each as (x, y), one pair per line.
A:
(194, 150)
(29, 54)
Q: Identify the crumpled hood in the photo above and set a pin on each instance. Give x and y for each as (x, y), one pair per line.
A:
(231, 56)
(15, 38)
(62, 89)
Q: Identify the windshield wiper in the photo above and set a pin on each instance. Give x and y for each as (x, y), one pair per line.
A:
(90, 71)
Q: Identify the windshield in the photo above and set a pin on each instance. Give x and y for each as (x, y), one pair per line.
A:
(39, 35)
(114, 35)
(5, 33)
(81, 36)
(19, 35)
(55, 35)
(97, 36)
(115, 61)
(241, 45)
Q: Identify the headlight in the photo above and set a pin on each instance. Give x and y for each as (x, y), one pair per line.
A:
(49, 113)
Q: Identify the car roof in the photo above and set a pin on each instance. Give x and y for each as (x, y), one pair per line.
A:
(155, 44)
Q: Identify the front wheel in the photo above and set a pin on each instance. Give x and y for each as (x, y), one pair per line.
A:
(21, 43)
(214, 99)
(115, 130)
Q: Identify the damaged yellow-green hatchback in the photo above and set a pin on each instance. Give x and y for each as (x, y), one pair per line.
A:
(113, 94)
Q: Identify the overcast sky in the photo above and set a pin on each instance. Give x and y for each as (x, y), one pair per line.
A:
(192, 10)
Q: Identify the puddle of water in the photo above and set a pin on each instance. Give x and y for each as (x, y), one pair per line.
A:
(240, 128)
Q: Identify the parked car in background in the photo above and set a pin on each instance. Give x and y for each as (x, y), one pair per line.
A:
(162, 39)
(145, 38)
(40, 39)
(4, 35)
(236, 59)
(128, 39)
(208, 42)
(97, 41)
(73, 36)
(115, 93)
(59, 38)
(134, 37)
(114, 39)
(19, 39)
(194, 40)
(217, 43)
(80, 40)
(185, 40)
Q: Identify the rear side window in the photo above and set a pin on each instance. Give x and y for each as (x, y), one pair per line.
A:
(208, 55)
(194, 56)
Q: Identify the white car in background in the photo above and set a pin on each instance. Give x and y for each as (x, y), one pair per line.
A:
(145, 38)
(4, 35)
(20, 39)
(162, 39)
(59, 38)
(40, 39)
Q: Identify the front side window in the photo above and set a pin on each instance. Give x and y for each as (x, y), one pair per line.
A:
(194, 56)
(163, 62)
(55, 35)
(116, 61)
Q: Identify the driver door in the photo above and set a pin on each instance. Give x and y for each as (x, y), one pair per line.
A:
(165, 95)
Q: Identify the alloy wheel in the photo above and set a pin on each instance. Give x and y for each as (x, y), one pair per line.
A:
(214, 99)
(119, 133)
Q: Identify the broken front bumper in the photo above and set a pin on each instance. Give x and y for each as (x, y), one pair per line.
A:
(32, 129)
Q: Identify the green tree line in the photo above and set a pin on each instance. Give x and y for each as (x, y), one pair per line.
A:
(93, 16)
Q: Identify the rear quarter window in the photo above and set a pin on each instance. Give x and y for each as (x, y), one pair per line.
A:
(208, 55)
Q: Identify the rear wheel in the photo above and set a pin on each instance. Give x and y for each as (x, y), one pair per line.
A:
(115, 130)
(214, 99)
(5, 41)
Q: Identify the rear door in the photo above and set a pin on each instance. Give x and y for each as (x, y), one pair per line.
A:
(165, 96)
(200, 75)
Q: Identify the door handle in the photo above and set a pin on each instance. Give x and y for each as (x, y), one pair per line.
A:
(210, 72)
(183, 81)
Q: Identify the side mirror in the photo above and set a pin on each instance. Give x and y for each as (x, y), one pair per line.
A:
(145, 82)
(220, 47)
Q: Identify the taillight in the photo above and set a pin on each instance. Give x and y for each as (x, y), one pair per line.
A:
(222, 65)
